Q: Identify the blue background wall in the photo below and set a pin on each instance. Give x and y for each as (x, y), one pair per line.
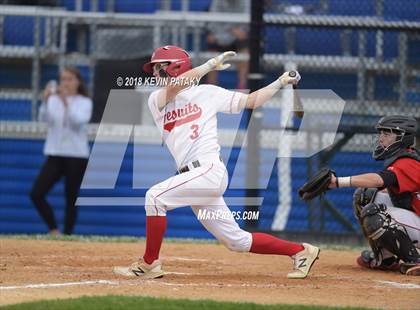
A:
(20, 161)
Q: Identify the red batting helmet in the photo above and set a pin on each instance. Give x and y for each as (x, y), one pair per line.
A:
(176, 56)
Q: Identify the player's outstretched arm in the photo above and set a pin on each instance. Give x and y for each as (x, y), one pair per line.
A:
(262, 95)
(192, 76)
(370, 180)
(326, 179)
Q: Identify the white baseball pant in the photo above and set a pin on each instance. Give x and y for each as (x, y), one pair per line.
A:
(202, 188)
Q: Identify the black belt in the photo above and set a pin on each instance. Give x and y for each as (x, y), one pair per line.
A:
(195, 163)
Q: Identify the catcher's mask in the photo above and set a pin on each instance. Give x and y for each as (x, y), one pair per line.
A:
(404, 128)
(178, 61)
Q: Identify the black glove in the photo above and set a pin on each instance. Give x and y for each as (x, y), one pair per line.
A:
(317, 185)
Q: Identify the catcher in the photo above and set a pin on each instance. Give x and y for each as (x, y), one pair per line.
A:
(386, 203)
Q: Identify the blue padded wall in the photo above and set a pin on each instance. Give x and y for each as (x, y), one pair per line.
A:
(197, 5)
(400, 10)
(15, 110)
(352, 8)
(86, 5)
(341, 199)
(20, 161)
(311, 41)
(19, 30)
(130, 6)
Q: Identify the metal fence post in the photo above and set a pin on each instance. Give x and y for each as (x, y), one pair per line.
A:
(379, 33)
(36, 67)
(402, 60)
(92, 58)
(361, 74)
(255, 78)
(63, 44)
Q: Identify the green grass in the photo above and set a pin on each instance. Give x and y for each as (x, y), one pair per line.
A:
(92, 238)
(149, 303)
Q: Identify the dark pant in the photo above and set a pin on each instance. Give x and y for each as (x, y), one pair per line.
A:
(72, 168)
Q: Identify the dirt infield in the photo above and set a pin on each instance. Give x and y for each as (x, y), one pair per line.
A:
(42, 269)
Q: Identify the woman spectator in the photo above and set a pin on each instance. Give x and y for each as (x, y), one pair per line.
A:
(66, 109)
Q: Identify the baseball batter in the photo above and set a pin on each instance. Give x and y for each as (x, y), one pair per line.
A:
(185, 114)
(387, 203)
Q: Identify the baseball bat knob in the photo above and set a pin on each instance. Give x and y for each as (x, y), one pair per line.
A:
(292, 74)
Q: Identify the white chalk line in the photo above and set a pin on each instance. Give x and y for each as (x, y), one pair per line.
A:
(383, 282)
(225, 285)
(51, 285)
(182, 273)
(136, 281)
(399, 285)
(94, 257)
(186, 259)
(173, 284)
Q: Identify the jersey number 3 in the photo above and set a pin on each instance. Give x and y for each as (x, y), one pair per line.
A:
(194, 129)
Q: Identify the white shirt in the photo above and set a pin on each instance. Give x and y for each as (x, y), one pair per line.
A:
(188, 124)
(67, 135)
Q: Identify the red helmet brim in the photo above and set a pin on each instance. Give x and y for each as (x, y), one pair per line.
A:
(148, 67)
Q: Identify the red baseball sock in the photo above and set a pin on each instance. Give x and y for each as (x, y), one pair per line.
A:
(155, 230)
(268, 244)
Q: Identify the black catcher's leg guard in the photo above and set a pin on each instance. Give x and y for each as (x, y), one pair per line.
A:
(386, 237)
(396, 240)
(361, 198)
(387, 233)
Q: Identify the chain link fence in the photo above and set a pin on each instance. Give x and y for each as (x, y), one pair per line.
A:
(368, 53)
(365, 51)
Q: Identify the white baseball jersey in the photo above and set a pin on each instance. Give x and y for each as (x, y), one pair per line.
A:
(189, 128)
(188, 124)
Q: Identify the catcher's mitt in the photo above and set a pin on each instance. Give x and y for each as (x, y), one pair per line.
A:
(317, 185)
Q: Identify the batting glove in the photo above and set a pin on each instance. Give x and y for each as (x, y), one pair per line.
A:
(217, 63)
(285, 79)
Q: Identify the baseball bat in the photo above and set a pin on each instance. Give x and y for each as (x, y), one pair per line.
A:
(297, 103)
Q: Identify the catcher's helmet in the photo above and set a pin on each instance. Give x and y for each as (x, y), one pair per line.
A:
(174, 55)
(405, 127)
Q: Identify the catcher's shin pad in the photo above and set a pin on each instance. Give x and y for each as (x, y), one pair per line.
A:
(316, 185)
